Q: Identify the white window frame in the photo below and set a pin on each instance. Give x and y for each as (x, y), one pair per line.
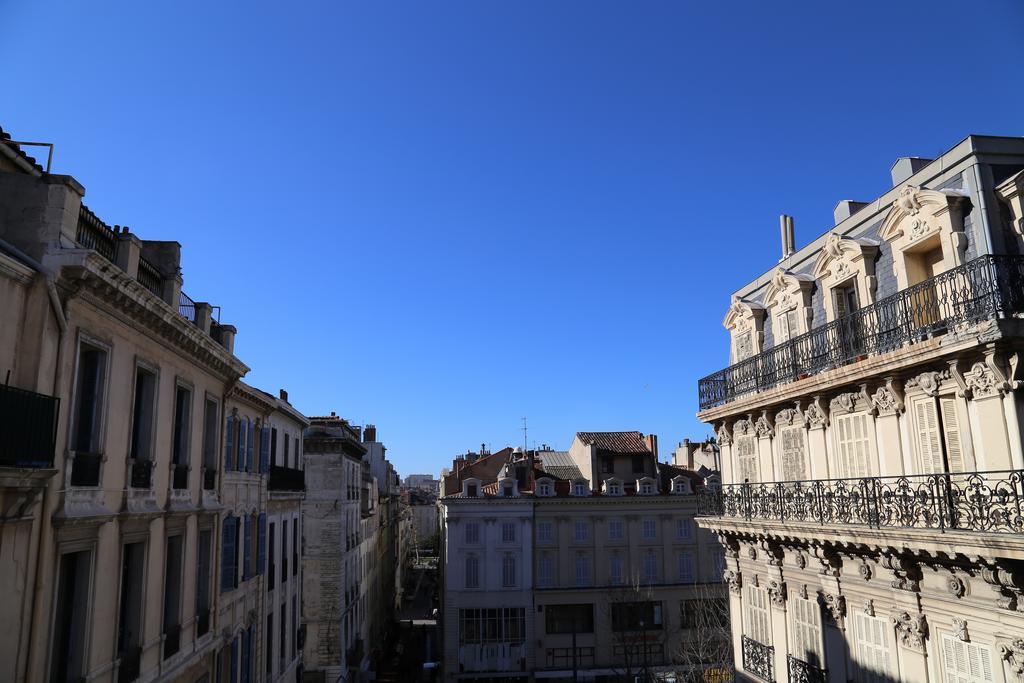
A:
(649, 529)
(581, 531)
(616, 530)
(471, 535)
(545, 531)
(508, 532)
(685, 567)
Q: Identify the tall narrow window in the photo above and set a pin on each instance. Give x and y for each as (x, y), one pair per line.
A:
(286, 440)
(268, 655)
(685, 566)
(472, 532)
(246, 547)
(283, 635)
(144, 406)
(744, 346)
(545, 571)
(872, 648)
(651, 567)
(204, 581)
(229, 444)
(182, 434)
(806, 631)
(544, 532)
(746, 456)
(615, 530)
(228, 555)
(296, 539)
(794, 461)
(940, 443)
(650, 529)
(581, 530)
(272, 568)
(472, 571)
(295, 623)
(756, 623)
(615, 569)
(172, 596)
(211, 418)
(508, 532)
(786, 326)
(284, 553)
(853, 445)
(273, 446)
(684, 529)
(966, 662)
(845, 298)
(88, 412)
(508, 571)
(71, 617)
(582, 569)
(129, 622)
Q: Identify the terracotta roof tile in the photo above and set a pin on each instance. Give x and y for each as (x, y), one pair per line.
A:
(616, 442)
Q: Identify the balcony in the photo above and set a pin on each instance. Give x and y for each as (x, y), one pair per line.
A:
(30, 431)
(759, 659)
(984, 502)
(286, 479)
(85, 469)
(802, 672)
(987, 288)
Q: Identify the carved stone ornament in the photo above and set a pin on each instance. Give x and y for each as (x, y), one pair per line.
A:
(928, 381)
(906, 573)
(800, 560)
(802, 591)
(885, 401)
(814, 415)
(911, 630)
(752, 552)
(724, 438)
(1013, 653)
(831, 563)
(956, 586)
(835, 607)
(742, 428)
(763, 427)
(773, 552)
(844, 403)
(865, 569)
(786, 417)
(960, 630)
(982, 381)
(869, 607)
(1008, 584)
(777, 593)
(734, 579)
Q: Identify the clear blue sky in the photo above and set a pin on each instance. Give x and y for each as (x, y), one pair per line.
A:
(441, 217)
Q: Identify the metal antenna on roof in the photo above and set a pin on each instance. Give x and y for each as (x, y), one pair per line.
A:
(525, 448)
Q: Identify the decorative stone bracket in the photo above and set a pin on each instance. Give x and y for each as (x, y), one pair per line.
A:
(777, 592)
(911, 630)
(1013, 653)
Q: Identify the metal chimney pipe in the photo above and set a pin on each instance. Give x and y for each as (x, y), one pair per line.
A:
(790, 239)
(783, 232)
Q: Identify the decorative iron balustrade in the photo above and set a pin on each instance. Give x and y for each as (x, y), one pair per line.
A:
(149, 277)
(990, 502)
(92, 233)
(30, 428)
(186, 307)
(802, 672)
(85, 469)
(986, 288)
(142, 474)
(759, 659)
(286, 479)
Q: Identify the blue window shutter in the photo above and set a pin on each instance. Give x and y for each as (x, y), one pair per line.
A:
(265, 449)
(247, 544)
(248, 447)
(229, 444)
(261, 542)
(227, 555)
(246, 663)
(243, 436)
(234, 556)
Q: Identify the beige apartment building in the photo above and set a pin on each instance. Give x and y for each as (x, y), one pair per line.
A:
(621, 572)
(871, 436)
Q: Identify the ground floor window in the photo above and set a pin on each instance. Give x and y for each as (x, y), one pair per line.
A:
(561, 657)
(492, 625)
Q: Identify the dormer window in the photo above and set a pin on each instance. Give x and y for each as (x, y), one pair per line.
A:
(579, 488)
(471, 488)
(714, 483)
(680, 485)
(508, 487)
(646, 487)
(613, 487)
(545, 488)
(508, 490)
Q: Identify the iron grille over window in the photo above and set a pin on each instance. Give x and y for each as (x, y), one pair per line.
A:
(759, 659)
(30, 428)
(986, 288)
(802, 672)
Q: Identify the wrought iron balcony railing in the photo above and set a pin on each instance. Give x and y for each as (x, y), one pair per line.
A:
(92, 233)
(990, 502)
(802, 672)
(989, 287)
(286, 479)
(85, 469)
(759, 659)
(29, 436)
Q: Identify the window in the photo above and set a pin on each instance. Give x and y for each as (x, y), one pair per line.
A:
(636, 616)
(845, 298)
(71, 617)
(295, 546)
(966, 662)
(794, 460)
(129, 622)
(615, 569)
(719, 560)
(545, 532)
(613, 487)
(756, 622)
(172, 596)
(182, 430)
(508, 571)
(607, 464)
(282, 635)
(471, 490)
(144, 407)
(569, 618)
(88, 415)
(508, 489)
(684, 567)
(939, 441)
(272, 568)
(646, 487)
(273, 446)
(650, 529)
(651, 567)
(853, 446)
(286, 450)
(508, 532)
(284, 552)
(579, 489)
(472, 532)
(492, 625)
(680, 485)
(806, 645)
(787, 326)
(684, 529)
(204, 581)
(638, 464)
(615, 530)
(744, 346)
(229, 554)
(582, 570)
(211, 419)
(544, 489)
(268, 656)
(472, 571)
(295, 615)
(565, 658)
(872, 648)
(545, 571)
(746, 456)
(704, 613)
(581, 530)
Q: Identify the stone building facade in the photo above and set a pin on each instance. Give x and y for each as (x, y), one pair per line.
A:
(870, 435)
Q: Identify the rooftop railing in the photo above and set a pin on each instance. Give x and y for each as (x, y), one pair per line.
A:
(29, 436)
(149, 277)
(989, 502)
(986, 288)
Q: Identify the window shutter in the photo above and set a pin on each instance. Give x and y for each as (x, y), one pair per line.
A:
(746, 453)
(951, 430)
(246, 547)
(265, 449)
(794, 463)
(229, 444)
(929, 445)
(744, 347)
(791, 324)
(227, 554)
(839, 296)
(243, 435)
(853, 445)
(966, 662)
(251, 429)
(261, 543)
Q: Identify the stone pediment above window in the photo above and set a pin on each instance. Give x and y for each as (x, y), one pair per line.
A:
(922, 223)
(745, 322)
(845, 262)
(613, 486)
(545, 487)
(647, 486)
(788, 298)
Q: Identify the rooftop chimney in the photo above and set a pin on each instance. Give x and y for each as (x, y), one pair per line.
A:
(906, 167)
(369, 433)
(846, 208)
(283, 395)
(786, 232)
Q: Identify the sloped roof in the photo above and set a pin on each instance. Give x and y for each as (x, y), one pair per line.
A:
(559, 465)
(616, 442)
(485, 469)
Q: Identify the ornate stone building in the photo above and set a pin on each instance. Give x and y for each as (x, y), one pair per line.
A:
(871, 436)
